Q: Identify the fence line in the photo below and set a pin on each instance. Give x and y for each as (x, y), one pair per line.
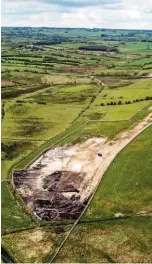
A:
(139, 110)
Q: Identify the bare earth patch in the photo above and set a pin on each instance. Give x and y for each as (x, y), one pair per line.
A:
(7, 83)
(59, 184)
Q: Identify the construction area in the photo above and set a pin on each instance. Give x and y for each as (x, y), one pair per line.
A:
(58, 185)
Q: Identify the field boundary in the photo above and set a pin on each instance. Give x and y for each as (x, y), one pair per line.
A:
(76, 222)
(139, 110)
(117, 120)
(24, 140)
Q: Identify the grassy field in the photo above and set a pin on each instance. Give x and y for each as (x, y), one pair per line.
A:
(137, 48)
(138, 90)
(117, 241)
(35, 245)
(126, 186)
(14, 151)
(35, 122)
(117, 112)
(14, 214)
(32, 116)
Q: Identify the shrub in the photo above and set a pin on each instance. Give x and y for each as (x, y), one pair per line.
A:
(148, 98)
(42, 103)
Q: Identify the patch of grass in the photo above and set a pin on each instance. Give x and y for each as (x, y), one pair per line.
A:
(22, 77)
(35, 121)
(34, 246)
(137, 48)
(61, 79)
(118, 241)
(14, 214)
(18, 91)
(13, 151)
(138, 90)
(116, 112)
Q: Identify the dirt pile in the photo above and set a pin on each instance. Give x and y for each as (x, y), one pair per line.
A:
(57, 199)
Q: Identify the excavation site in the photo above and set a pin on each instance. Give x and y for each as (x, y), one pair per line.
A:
(58, 185)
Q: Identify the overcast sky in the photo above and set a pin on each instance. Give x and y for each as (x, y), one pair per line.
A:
(131, 14)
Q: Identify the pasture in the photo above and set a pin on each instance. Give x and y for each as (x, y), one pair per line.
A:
(14, 214)
(126, 185)
(34, 245)
(117, 241)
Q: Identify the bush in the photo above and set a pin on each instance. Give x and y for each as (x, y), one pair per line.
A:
(44, 103)
(148, 98)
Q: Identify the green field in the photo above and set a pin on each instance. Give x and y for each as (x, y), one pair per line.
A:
(138, 90)
(126, 186)
(117, 241)
(117, 112)
(15, 150)
(14, 214)
(35, 245)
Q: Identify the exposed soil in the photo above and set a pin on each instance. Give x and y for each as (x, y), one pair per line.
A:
(79, 68)
(7, 83)
(58, 185)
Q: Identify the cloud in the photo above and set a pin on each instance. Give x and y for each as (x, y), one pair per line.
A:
(76, 13)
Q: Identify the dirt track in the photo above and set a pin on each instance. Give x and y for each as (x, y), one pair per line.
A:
(59, 184)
